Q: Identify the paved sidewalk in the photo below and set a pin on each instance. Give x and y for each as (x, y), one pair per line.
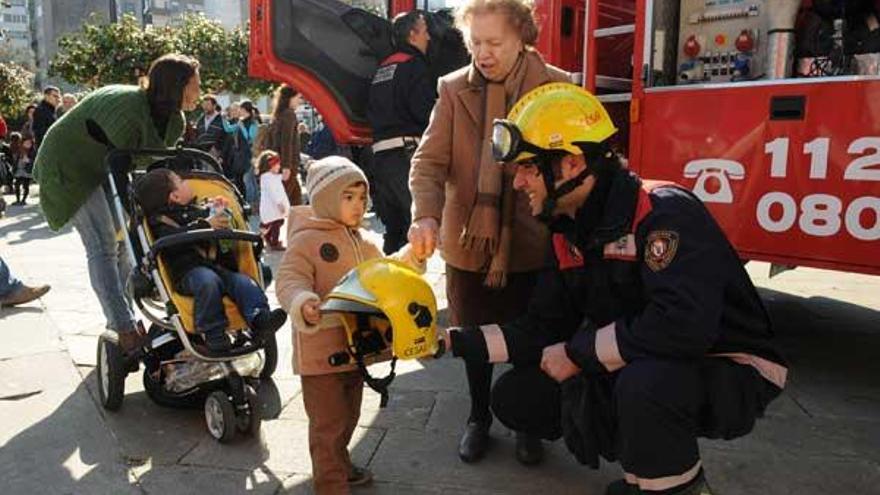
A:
(822, 436)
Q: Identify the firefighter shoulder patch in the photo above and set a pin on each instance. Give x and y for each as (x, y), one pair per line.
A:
(660, 249)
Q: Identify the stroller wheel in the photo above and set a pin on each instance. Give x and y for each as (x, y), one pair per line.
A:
(250, 424)
(220, 416)
(270, 356)
(111, 373)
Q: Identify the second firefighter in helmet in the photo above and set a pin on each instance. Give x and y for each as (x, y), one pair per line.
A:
(647, 301)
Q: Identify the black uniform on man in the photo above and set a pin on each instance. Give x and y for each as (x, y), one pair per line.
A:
(656, 309)
(402, 95)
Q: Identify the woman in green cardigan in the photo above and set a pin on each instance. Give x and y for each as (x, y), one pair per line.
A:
(71, 172)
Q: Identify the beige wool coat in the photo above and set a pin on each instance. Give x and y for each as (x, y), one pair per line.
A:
(319, 252)
(445, 171)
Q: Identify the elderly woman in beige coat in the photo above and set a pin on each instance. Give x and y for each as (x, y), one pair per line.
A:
(466, 205)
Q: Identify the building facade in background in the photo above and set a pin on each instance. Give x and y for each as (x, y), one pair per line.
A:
(51, 19)
(169, 12)
(131, 7)
(15, 33)
(230, 13)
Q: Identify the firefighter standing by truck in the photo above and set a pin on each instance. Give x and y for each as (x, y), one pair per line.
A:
(647, 333)
(401, 98)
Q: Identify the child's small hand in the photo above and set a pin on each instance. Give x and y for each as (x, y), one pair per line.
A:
(219, 221)
(311, 312)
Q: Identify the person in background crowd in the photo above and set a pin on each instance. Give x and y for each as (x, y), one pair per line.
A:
(13, 292)
(4, 130)
(44, 115)
(210, 136)
(22, 166)
(283, 139)
(322, 143)
(401, 97)
(27, 129)
(67, 102)
(71, 172)
(230, 118)
(274, 203)
(305, 135)
(492, 246)
(244, 133)
(6, 165)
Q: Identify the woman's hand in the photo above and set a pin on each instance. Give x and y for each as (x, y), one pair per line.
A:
(311, 313)
(423, 237)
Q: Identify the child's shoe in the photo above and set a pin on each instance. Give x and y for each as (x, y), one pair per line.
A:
(219, 343)
(359, 476)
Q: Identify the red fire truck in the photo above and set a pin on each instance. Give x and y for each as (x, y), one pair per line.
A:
(769, 110)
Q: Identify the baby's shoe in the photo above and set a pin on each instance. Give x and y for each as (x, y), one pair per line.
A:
(268, 322)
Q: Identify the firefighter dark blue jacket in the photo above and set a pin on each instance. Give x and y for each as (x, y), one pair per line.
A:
(401, 96)
(642, 271)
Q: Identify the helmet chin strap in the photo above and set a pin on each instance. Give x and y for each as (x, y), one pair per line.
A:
(553, 192)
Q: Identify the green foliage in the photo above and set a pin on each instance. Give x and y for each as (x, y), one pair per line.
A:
(16, 82)
(102, 54)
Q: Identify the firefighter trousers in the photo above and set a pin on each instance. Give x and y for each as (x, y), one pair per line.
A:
(658, 409)
(390, 184)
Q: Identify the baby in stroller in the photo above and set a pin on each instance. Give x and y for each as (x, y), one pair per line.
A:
(207, 270)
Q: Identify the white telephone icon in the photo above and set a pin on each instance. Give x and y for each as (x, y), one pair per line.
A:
(718, 169)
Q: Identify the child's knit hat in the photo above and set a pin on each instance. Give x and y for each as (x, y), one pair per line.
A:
(326, 180)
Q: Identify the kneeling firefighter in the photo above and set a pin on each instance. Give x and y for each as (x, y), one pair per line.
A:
(646, 331)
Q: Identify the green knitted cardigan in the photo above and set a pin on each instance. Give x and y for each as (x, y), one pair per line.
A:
(70, 163)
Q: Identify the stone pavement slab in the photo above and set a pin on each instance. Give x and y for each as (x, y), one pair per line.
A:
(189, 480)
(281, 449)
(56, 442)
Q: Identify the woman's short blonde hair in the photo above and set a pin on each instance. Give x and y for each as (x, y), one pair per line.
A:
(519, 13)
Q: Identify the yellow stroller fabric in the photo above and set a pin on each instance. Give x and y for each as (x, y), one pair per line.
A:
(204, 187)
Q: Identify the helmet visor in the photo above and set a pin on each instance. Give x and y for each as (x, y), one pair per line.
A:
(508, 142)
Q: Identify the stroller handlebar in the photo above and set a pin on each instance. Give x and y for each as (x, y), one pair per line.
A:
(121, 160)
(201, 235)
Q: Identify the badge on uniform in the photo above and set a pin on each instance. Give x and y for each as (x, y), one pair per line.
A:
(660, 249)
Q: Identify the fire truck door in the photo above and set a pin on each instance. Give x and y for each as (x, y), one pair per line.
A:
(326, 49)
(330, 51)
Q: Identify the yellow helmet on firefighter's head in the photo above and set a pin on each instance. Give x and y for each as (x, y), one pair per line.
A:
(388, 287)
(552, 117)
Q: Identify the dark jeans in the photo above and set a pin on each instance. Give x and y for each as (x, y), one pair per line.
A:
(390, 183)
(22, 187)
(472, 303)
(209, 285)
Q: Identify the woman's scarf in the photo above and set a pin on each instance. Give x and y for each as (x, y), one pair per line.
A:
(489, 227)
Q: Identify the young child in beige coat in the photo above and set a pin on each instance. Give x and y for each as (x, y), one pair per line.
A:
(324, 242)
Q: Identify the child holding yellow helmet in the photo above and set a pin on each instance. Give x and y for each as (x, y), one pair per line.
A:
(324, 243)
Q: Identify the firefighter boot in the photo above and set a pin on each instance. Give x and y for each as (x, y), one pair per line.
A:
(529, 449)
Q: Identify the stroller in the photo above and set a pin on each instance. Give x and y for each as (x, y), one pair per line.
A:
(178, 372)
